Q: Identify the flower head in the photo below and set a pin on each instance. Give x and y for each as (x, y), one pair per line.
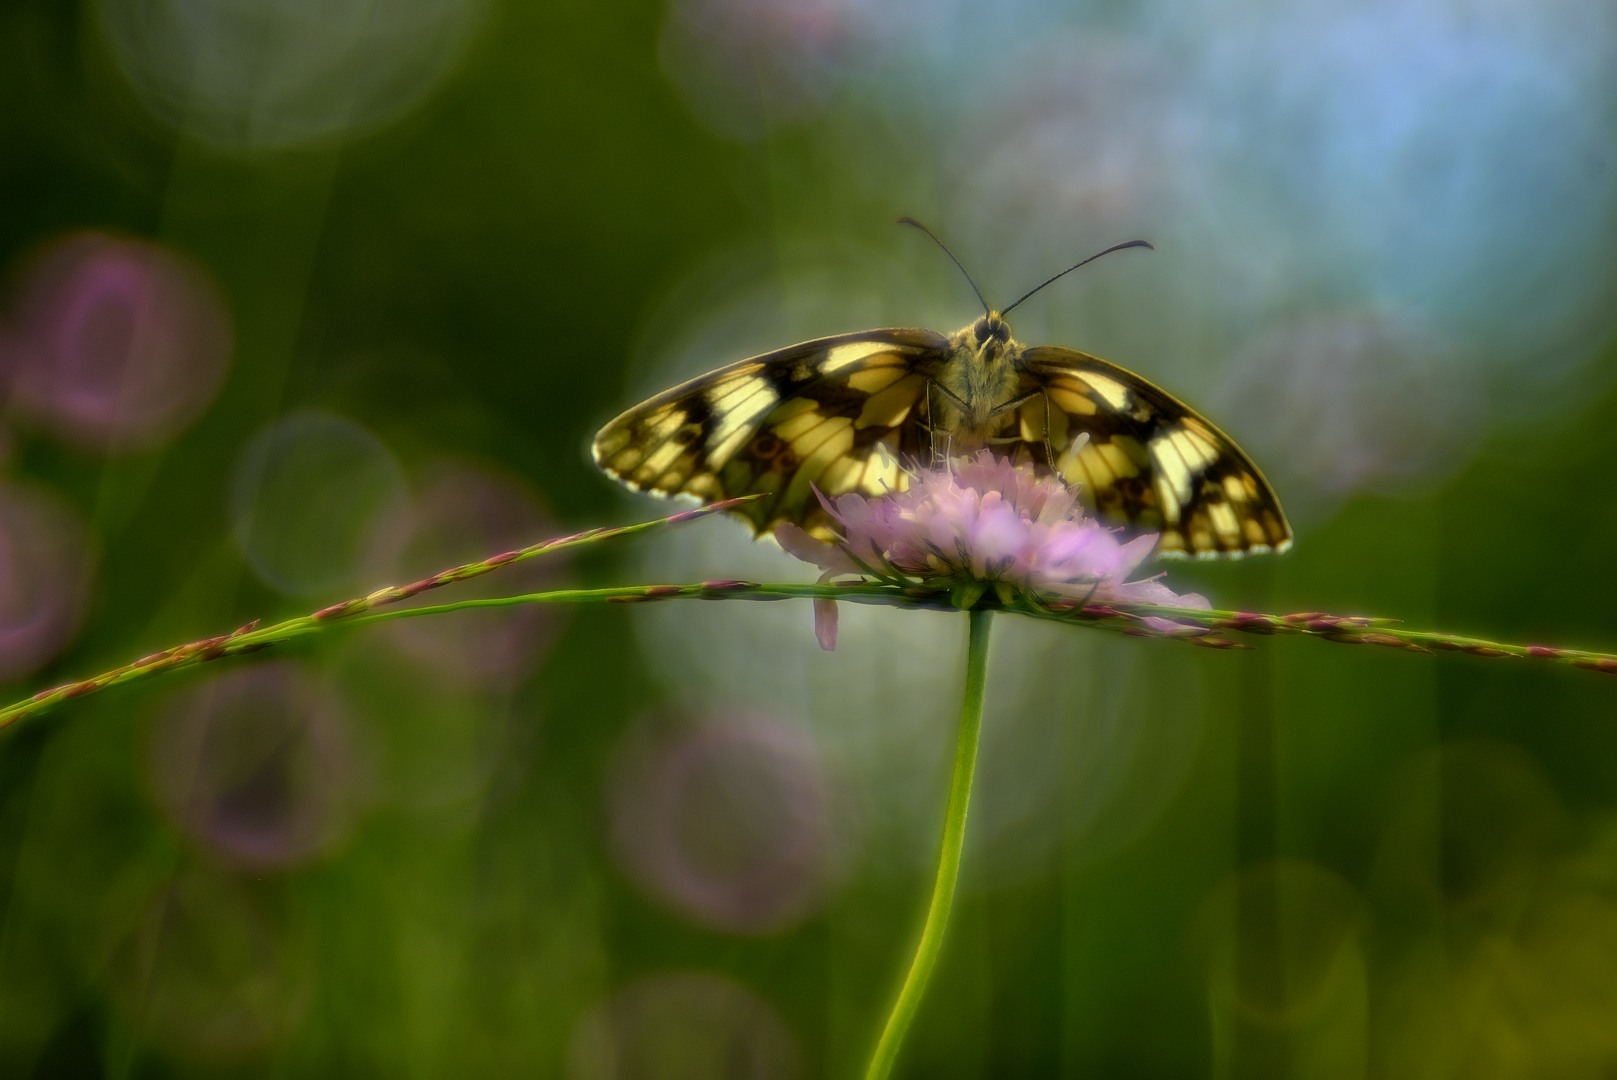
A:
(980, 523)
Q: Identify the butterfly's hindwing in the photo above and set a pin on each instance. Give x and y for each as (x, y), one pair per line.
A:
(835, 413)
(1151, 461)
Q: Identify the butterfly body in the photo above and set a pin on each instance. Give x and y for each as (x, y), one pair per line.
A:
(839, 414)
(976, 386)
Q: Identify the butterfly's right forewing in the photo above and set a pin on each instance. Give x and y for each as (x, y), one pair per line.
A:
(1149, 460)
(835, 413)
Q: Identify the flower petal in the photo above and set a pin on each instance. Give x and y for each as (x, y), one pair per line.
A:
(1086, 552)
(997, 540)
(1136, 551)
(825, 623)
(980, 523)
(1153, 591)
(799, 544)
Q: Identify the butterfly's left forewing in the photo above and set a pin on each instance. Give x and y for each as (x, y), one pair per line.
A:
(835, 413)
(1150, 461)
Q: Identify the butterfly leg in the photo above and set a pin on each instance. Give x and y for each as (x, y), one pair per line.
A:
(931, 427)
(1017, 402)
(940, 456)
(1049, 447)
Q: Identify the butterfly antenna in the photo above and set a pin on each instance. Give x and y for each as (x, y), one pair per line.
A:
(946, 251)
(1070, 269)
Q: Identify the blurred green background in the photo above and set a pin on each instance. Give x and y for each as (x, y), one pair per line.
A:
(301, 299)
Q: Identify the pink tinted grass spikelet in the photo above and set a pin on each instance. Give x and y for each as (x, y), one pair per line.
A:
(979, 524)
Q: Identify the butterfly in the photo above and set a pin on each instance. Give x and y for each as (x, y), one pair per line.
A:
(839, 414)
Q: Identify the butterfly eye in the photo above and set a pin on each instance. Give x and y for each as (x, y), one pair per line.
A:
(985, 328)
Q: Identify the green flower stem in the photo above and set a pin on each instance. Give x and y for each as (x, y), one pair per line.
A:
(954, 839)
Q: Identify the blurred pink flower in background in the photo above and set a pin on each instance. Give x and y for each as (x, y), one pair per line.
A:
(465, 511)
(312, 493)
(116, 343)
(745, 66)
(1087, 140)
(728, 821)
(45, 572)
(684, 1023)
(1352, 400)
(251, 77)
(259, 765)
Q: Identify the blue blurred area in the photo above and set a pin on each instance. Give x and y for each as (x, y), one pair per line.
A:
(300, 299)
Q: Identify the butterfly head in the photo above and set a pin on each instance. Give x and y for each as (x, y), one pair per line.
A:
(989, 337)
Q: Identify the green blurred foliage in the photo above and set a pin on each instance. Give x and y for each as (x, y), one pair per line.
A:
(1301, 860)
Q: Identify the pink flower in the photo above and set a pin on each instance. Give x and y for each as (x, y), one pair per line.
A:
(981, 523)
